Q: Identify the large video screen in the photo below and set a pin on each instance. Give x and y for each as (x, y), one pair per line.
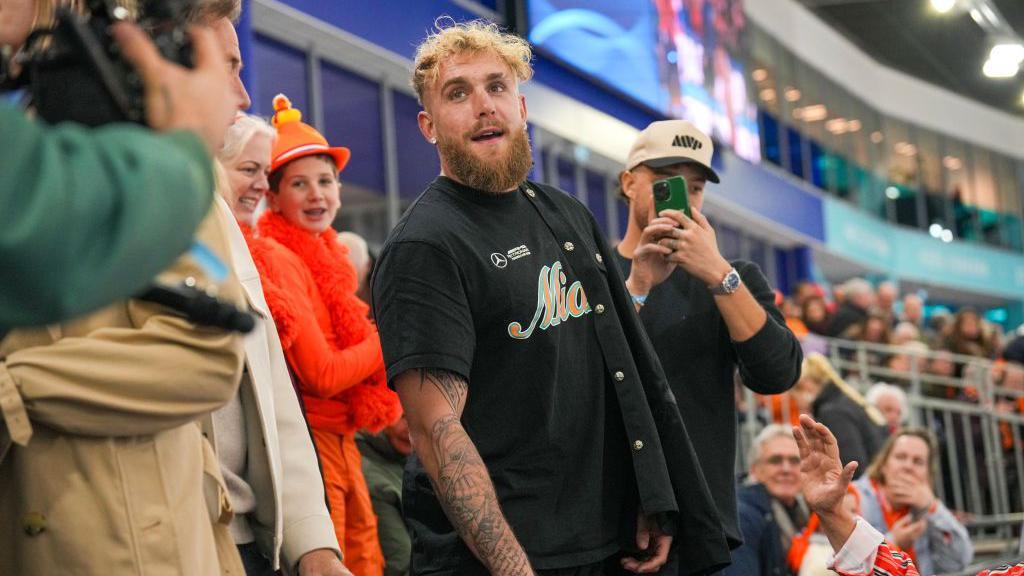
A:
(677, 56)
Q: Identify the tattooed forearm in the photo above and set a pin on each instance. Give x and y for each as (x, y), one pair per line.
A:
(465, 491)
(452, 386)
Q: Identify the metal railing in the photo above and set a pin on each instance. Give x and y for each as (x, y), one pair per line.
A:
(972, 408)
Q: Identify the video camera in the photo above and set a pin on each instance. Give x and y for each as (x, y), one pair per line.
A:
(74, 72)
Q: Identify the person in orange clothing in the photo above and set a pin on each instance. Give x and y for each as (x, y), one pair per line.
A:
(332, 349)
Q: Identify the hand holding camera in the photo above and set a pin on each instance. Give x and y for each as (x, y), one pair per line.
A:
(177, 98)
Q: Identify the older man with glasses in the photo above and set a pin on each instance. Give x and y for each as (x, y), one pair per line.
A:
(771, 510)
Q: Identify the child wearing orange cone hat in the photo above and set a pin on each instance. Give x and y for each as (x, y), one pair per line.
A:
(332, 348)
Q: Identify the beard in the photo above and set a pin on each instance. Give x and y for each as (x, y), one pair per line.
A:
(496, 176)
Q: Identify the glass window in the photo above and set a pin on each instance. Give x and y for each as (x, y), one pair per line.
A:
(417, 159)
(566, 175)
(282, 70)
(728, 242)
(930, 161)
(622, 215)
(759, 254)
(985, 195)
(597, 198)
(352, 118)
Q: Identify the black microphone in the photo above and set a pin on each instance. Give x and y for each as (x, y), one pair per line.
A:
(199, 307)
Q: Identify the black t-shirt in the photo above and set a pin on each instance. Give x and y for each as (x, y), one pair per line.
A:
(479, 285)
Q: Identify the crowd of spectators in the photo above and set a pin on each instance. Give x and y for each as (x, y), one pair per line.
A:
(901, 339)
(869, 353)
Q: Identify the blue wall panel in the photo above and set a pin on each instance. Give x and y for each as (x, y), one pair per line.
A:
(282, 69)
(397, 26)
(352, 118)
(771, 196)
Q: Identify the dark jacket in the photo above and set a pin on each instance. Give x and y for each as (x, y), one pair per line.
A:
(761, 553)
(845, 316)
(700, 361)
(858, 437)
(382, 468)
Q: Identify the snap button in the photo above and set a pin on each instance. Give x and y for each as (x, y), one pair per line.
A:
(620, 376)
(33, 523)
(530, 193)
(569, 246)
(599, 308)
(638, 445)
(600, 260)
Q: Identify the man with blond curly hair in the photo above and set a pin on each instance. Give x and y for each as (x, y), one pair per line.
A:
(537, 407)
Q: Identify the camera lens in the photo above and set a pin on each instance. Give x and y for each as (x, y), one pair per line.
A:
(661, 192)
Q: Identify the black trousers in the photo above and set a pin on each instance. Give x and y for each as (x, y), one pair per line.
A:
(255, 563)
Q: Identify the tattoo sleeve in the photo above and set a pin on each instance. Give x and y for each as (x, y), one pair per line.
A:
(464, 487)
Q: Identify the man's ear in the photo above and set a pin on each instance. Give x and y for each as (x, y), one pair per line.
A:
(626, 181)
(426, 124)
(522, 107)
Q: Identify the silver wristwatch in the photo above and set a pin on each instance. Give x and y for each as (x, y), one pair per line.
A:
(729, 284)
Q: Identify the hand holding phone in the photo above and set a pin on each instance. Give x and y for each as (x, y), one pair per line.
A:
(672, 194)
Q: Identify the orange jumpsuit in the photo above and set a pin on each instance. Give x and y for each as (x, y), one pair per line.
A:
(334, 354)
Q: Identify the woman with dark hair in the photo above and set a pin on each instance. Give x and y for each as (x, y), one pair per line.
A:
(897, 498)
(967, 335)
(815, 315)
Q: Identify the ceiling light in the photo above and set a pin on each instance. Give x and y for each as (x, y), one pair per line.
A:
(759, 75)
(815, 113)
(837, 126)
(1000, 68)
(977, 17)
(768, 94)
(877, 137)
(853, 126)
(935, 230)
(1009, 51)
(905, 148)
(892, 193)
(947, 235)
(943, 6)
(792, 94)
(952, 163)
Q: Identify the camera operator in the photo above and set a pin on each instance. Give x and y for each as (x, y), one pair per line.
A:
(103, 469)
(706, 316)
(91, 215)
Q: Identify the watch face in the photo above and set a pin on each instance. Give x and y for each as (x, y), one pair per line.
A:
(732, 281)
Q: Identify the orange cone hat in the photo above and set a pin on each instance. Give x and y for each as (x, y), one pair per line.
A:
(296, 139)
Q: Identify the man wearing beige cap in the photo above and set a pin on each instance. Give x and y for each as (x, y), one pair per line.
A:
(705, 315)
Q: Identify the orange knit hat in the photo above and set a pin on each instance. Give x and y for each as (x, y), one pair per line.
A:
(296, 139)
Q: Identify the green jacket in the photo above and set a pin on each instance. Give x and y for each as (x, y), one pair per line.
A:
(89, 216)
(382, 468)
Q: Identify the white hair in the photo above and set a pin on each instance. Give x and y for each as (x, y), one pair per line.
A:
(770, 432)
(358, 251)
(857, 286)
(240, 133)
(879, 389)
(905, 332)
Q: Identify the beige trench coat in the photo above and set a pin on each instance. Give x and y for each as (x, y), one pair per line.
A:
(109, 473)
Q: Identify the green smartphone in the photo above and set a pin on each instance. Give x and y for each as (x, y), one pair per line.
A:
(672, 194)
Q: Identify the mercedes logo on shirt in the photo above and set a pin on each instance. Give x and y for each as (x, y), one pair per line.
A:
(499, 260)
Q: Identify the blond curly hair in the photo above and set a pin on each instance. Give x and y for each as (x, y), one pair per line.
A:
(452, 38)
